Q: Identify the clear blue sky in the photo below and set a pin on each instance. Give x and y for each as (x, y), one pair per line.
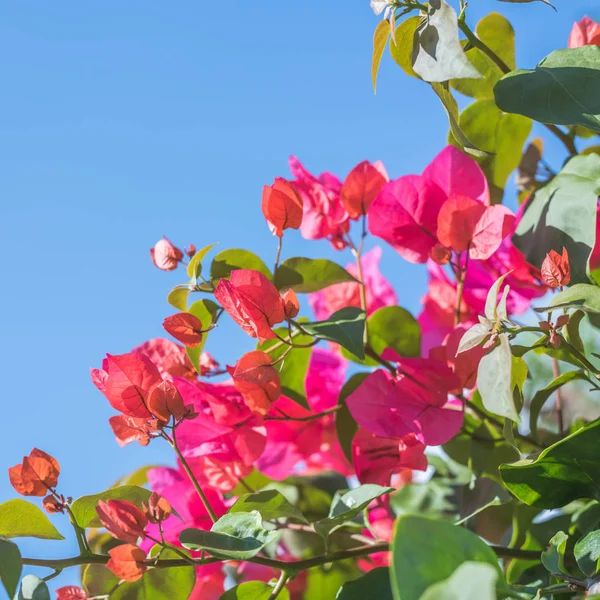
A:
(124, 121)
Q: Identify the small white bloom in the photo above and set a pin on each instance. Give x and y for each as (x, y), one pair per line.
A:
(379, 6)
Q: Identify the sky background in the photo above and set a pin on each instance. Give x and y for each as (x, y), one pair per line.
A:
(121, 122)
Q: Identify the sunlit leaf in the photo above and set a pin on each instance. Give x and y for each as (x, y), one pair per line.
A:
(380, 38)
(305, 275)
(19, 518)
(236, 258)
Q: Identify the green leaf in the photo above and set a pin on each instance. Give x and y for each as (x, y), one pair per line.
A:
(563, 89)
(451, 107)
(98, 580)
(307, 275)
(344, 327)
(583, 296)
(427, 551)
(194, 267)
(236, 258)
(380, 39)
(345, 425)
(325, 581)
(293, 369)
(374, 585)
(237, 536)
(11, 565)
(498, 35)
(206, 310)
(348, 505)
(587, 553)
(495, 383)
(563, 213)
(538, 401)
(438, 55)
(178, 297)
(253, 590)
(33, 588)
(19, 518)
(159, 584)
(553, 557)
(470, 581)
(566, 471)
(402, 43)
(84, 508)
(138, 477)
(394, 327)
(271, 505)
(528, 1)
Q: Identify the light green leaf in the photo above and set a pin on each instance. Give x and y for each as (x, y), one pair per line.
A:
(159, 584)
(394, 327)
(348, 505)
(470, 581)
(11, 565)
(253, 590)
(237, 536)
(33, 588)
(98, 580)
(84, 508)
(178, 297)
(344, 327)
(566, 471)
(374, 585)
(553, 557)
(380, 39)
(583, 296)
(194, 267)
(271, 505)
(563, 89)
(205, 310)
(402, 44)
(345, 425)
(234, 259)
(587, 553)
(438, 55)
(306, 275)
(427, 551)
(19, 518)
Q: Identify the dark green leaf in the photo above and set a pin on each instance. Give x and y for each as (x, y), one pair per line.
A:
(542, 395)
(345, 425)
(33, 588)
(470, 581)
(438, 55)
(159, 584)
(427, 551)
(206, 310)
(583, 296)
(394, 327)
(402, 44)
(563, 89)
(587, 553)
(380, 38)
(236, 258)
(348, 505)
(237, 536)
(553, 557)
(271, 505)
(374, 585)
(19, 518)
(253, 590)
(84, 508)
(306, 275)
(566, 471)
(563, 213)
(344, 327)
(11, 565)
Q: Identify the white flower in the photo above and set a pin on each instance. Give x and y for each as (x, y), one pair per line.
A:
(379, 6)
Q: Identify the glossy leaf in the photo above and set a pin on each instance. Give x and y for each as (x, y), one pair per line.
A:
(348, 505)
(236, 258)
(563, 214)
(587, 553)
(563, 89)
(19, 518)
(566, 471)
(306, 275)
(583, 296)
(237, 536)
(271, 505)
(380, 38)
(253, 590)
(438, 548)
(470, 581)
(194, 267)
(553, 557)
(344, 327)
(374, 585)
(394, 327)
(11, 565)
(84, 508)
(345, 425)
(33, 588)
(402, 43)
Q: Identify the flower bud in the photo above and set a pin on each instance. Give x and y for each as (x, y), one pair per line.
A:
(122, 519)
(53, 505)
(158, 508)
(165, 255)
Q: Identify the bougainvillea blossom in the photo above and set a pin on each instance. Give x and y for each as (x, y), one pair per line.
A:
(257, 381)
(281, 206)
(185, 328)
(556, 269)
(170, 358)
(361, 187)
(584, 33)
(132, 429)
(122, 519)
(36, 474)
(70, 592)
(165, 255)
(127, 562)
(165, 401)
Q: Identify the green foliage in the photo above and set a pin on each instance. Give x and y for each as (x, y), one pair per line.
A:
(271, 505)
(306, 275)
(394, 327)
(470, 581)
(84, 508)
(33, 588)
(19, 518)
(236, 536)
(584, 296)
(253, 590)
(587, 553)
(380, 39)
(401, 44)
(206, 310)
(553, 557)
(236, 258)
(194, 268)
(11, 565)
(563, 89)
(345, 425)
(374, 585)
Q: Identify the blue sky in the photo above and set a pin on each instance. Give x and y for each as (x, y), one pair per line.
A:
(121, 122)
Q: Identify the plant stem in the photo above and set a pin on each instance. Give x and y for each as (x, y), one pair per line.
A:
(460, 285)
(79, 533)
(278, 255)
(324, 413)
(190, 474)
(283, 579)
(384, 363)
(559, 400)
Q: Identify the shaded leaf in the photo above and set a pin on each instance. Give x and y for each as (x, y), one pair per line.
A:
(271, 505)
(306, 275)
(253, 590)
(19, 518)
(374, 585)
(553, 557)
(583, 296)
(33, 588)
(380, 39)
(236, 258)
(470, 581)
(587, 553)
(394, 327)
(11, 565)
(345, 425)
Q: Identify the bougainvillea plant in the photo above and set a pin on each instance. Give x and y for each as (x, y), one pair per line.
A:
(365, 453)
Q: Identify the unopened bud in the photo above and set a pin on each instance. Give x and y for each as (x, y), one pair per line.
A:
(158, 508)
